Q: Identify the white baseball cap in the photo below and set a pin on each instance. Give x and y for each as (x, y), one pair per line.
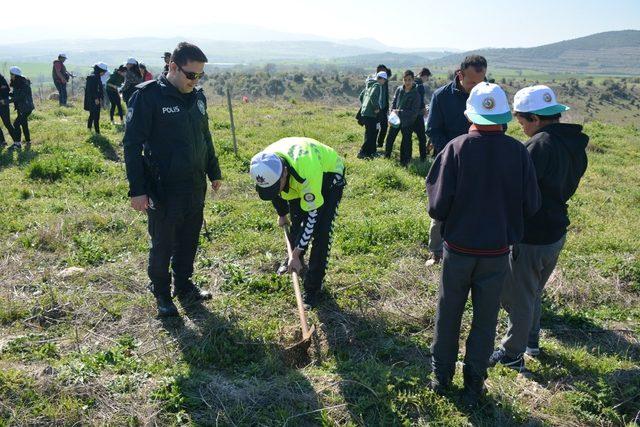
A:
(62, 55)
(488, 105)
(132, 60)
(538, 99)
(381, 74)
(266, 170)
(16, 71)
(102, 66)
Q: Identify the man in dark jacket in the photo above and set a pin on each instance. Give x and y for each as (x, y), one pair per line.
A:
(169, 154)
(446, 121)
(61, 78)
(419, 126)
(481, 187)
(5, 114)
(22, 98)
(559, 156)
(406, 104)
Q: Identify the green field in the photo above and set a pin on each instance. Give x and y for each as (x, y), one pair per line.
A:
(86, 349)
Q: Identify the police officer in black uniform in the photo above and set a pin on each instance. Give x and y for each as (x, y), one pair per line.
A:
(169, 155)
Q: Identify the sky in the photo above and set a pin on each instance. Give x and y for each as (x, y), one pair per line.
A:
(459, 24)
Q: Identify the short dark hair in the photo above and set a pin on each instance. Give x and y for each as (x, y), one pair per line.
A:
(381, 67)
(529, 116)
(186, 52)
(122, 68)
(408, 73)
(476, 61)
(425, 72)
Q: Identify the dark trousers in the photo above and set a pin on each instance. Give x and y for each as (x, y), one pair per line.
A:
(5, 115)
(62, 92)
(384, 125)
(333, 186)
(531, 267)
(114, 99)
(174, 228)
(368, 148)
(484, 277)
(94, 118)
(22, 124)
(405, 145)
(421, 133)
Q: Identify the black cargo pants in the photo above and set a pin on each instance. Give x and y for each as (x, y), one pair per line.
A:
(174, 228)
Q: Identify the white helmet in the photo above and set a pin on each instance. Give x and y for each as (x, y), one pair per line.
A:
(16, 71)
(266, 170)
(102, 66)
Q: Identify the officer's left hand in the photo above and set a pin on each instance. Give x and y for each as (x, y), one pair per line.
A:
(294, 263)
(216, 184)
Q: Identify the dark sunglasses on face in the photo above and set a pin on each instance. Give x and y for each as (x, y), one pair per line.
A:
(190, 74)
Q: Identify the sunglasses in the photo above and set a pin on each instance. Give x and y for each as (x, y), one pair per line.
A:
(190, 74)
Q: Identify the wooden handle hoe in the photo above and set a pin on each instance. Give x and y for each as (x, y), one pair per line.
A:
(306, 330)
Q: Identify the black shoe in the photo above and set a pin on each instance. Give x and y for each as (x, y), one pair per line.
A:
(500, 357)
(191, 293)
(533, 350)
(439, 385)
(166, 307)
(473, 391)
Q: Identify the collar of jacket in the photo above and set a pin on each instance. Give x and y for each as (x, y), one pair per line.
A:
(456, 87)
(486, 128)
(168, 89)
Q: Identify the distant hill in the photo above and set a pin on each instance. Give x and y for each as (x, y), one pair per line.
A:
(613, 52)
(393, 59)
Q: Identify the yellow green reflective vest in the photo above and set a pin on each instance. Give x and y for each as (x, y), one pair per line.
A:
(310, 160)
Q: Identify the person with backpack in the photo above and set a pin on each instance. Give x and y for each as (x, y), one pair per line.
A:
(22, 99)
(94, 94)
(406, 104)
(5, 113)
(371, 102)
(113, 86)
(383, 124)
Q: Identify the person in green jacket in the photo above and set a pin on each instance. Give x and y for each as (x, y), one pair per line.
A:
(371, 102)
(406, 104)
(304, 179)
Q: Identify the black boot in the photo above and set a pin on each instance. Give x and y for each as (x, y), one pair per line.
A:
(310, 298)
(439, 385)
(474, 389)
(166, 307)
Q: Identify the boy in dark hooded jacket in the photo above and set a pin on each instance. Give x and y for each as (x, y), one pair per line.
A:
(558, 151)
(406, 104)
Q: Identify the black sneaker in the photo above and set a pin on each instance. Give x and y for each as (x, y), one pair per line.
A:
(500, 357)
(533, 350)
(166, 307)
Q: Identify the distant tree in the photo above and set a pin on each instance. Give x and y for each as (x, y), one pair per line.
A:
(275, 87)
(270, 68)
(298, 78)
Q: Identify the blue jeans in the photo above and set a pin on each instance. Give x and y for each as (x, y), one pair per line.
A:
(62, 90)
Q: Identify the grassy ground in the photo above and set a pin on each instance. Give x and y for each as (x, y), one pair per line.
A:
(86, 348)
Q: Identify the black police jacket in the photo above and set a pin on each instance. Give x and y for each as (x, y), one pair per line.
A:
(168, 132)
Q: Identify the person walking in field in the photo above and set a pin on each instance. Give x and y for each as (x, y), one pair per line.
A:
(481, 187)
(132, 78)
(305, 180)
(383, 124)
(94, 94)
(406, 104)
(558, 151)
(22, 99)
(60, 78)
(371, 103)
(447, 121)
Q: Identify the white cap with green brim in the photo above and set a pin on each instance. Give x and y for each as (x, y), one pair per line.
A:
(539, 100)
(488, 105)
